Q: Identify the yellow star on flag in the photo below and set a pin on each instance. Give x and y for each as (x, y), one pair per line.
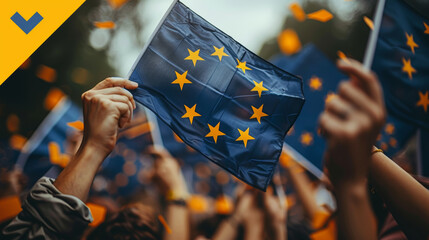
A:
(389, 129)
(215, 132)
(330, 96)
(219, 52)
(257, 113)
(194, 56)
(244, 136)
(426, 28)
(190, 113)
(242, 66)
(410, 42)
(258, 88)
(315, 83)
(424, 100)
(408, 68)
(181, 79)
(307, 139)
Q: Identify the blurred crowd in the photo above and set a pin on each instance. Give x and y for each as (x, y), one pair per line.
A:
(362, 195)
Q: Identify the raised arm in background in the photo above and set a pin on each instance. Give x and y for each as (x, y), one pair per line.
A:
(351, 122)
(406, 199)
(169, 177)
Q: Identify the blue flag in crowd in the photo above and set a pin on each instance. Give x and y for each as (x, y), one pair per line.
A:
(320, 77)
(34, 158)
(401, 63)
(220, 98)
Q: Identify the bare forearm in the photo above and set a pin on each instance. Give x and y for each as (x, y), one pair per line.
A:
(406, 198)
(304, 192)
(227, 230)
(77, 177)
(355, 218)
(178, 220)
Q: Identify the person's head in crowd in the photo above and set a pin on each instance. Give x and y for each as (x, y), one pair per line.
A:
(132, 222)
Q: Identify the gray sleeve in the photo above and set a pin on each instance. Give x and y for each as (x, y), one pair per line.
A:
(49, 214)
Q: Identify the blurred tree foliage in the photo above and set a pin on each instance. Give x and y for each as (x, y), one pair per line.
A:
(77, 64)
(349, 36)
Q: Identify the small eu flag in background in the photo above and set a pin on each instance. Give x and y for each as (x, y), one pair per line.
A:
(221, 99)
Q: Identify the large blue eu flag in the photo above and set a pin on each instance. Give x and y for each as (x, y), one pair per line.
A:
(220, 98)
(401, 63)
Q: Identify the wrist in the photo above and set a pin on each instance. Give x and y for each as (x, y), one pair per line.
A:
(352, 191)
(91, 152)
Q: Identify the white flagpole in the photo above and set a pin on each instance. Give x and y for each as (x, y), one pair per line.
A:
(151, 117)
(372, 42)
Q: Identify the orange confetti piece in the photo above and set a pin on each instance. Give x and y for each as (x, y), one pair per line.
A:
(320, 218)
(321, 15)
(54, 153)
(98, 213)
(289, 42)
(164, 223)
(297, 11)
(286, 160)
(197, 203)
(327, 233)
(17, 141)
(223, 205)
(115, 4)
(46, 73)
(343, 56)
(26, 64)
(12, 123)
(80, 75)
(78, 125)
(107, 24)
(52, 98)
(368, 22)
(9, 207)
(136, 131)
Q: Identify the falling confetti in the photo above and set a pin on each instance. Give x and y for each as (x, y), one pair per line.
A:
(115, 4)
(297, 11)
(52, 98)
(321, 15)
(98, 213)
(343, 57)
(107, 24)
(12, 123)
(78, 125)
(289, 42)
(368, 22)
(46, 73)
(9, 207)
(17, 141)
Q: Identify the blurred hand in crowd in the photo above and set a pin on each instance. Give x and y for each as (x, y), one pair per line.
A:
(107, 107)
(351, 122)
(167, 173)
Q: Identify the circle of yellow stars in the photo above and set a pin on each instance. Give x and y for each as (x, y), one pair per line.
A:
(191, 112)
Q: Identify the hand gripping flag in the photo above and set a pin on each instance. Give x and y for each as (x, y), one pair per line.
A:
(220, 98)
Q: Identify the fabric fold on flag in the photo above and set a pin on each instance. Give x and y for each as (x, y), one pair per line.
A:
(218, 97)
